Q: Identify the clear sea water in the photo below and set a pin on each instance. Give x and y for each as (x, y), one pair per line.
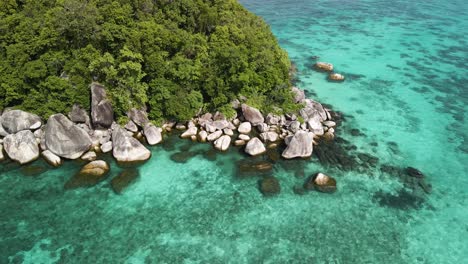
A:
(406, 92)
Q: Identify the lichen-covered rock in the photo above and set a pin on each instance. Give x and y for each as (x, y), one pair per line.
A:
(255, 147)
(270, 186)
(252, 115)
(90, 175)
(21, 147)
(51, 158)
(17, 120)
(66, 139)
(223, 143)
(153, 134)
(102, 114)
(127, 148)
(299, 146)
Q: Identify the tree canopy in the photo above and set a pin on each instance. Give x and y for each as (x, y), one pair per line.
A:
(171, 56)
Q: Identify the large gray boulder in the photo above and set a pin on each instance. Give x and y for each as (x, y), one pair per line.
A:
(139, 117)
(102, 114)
(313, 109)
(255, 147)
(64, 138)
(315, 126)
(17, 120)
(21, 147)
(153, 134)
(299, 146)
(127, 148)
(78, 114)
(252, 115)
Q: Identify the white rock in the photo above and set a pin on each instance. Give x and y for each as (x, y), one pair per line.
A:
(202, 136)
(89, 156)
(244, 137)
(51, 158)
(329, 123)
(269, 137)
(228, 131)
(2, 157)
(255, 147)
(300, 145)
(245, 128)
(215, 135)
(106, 147)
(153, 134)
(315, 126)
(239, 142)
(190, 132)
(210, 128)
(223, 143)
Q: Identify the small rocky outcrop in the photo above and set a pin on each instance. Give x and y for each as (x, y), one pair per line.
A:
(323, 66)
(336, 77)
(78, 114)
(321, 183)
(127, 148)
(66, 139)
(299, 94)
(223, 143)
(269, 186)
(244, 128)
(153, 134)
(252, 115)
(51, 158)
(90, 175)
(124, 180)
(299, 146)
(21, 147)
(16, 120)
(255, 147)
(102, 114)
(139, 117)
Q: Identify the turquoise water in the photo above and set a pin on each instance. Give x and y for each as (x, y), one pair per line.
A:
(404, 102)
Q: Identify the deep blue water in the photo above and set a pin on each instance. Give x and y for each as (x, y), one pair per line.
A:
(405, 102)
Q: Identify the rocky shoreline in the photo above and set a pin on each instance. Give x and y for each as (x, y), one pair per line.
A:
(24, 137)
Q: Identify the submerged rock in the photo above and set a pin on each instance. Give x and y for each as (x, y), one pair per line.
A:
(21, 147)
(413, 172)
(336, 77)
(17, 120)
(90, 175)
(323, 66)
(127, 148)
(124, 180)
(321, 183)
(66, 139)
(270, 186)
(300, 145)
(51, 158)
(252, 115)
(102, 114)
(255, 147)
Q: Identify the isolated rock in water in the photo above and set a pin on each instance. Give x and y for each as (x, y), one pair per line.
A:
(21, 147)
(244, 128)
(124, 179)
(51, 158)
(336, 77)
(270, 186)
(190, 132)
(17, 120)
(252, 115)
(66, 139)
(222, 143)
(413, 172)
(78, 114)
(255, 147)
(153, 134)
(131, 126)
(127, 148)
(322, 183)
(140, 117)
(106, 147)
(102, 114)
(299, 94)
(90, 175)
(89, 156)
(323, 66)
(300, 145)
(215, 135)
(315, 126)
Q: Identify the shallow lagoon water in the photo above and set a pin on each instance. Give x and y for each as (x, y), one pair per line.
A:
(405, 90)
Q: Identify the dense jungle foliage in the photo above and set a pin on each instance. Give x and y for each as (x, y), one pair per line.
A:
(171, 56)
